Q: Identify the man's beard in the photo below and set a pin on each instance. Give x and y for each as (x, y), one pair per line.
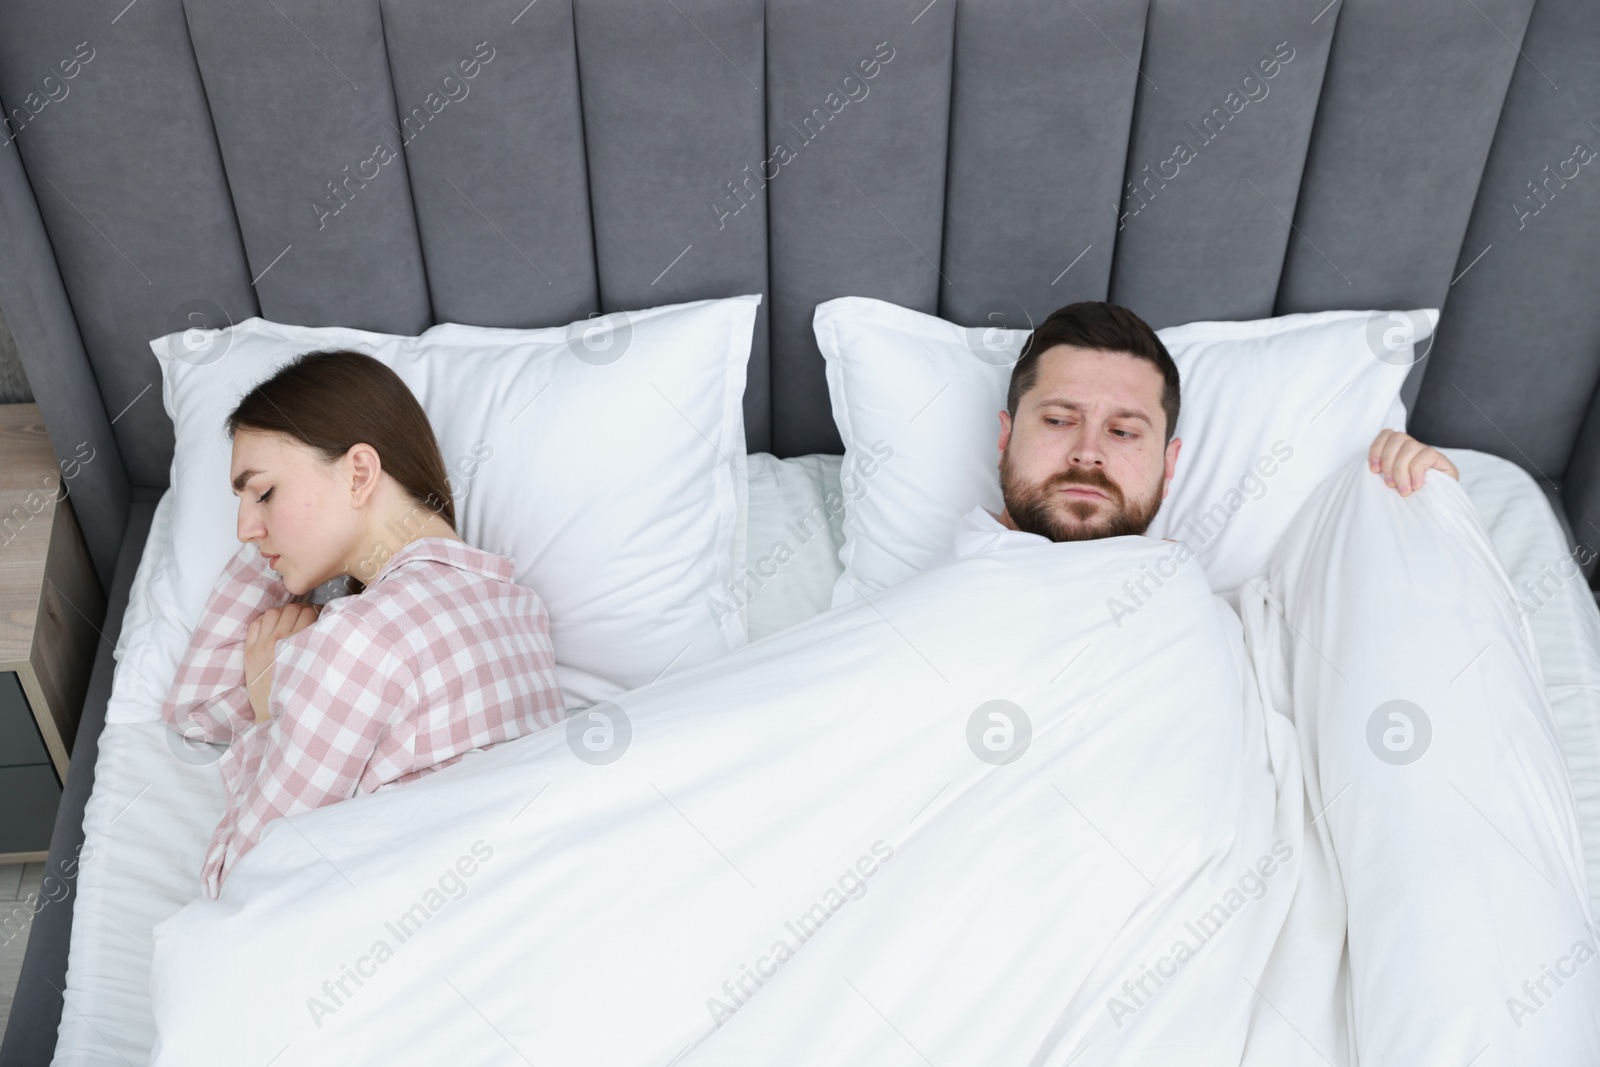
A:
(1037, 507)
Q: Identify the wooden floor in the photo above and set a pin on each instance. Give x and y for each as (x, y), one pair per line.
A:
(19, 888)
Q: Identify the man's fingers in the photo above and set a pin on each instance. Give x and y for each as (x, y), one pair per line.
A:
(1431, 459)
(1420, 462)
(1404, 461)
(1409, 463)
(1375, 453)
(1391, 452)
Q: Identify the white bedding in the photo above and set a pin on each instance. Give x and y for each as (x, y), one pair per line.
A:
(812, 810)
(1386, 629)
(151, 812)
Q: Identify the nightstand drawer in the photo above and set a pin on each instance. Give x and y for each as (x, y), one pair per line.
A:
(29, 797)
(20, 743)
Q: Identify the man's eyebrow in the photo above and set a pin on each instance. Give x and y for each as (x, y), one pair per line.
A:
(244, 476)
(1073, 405)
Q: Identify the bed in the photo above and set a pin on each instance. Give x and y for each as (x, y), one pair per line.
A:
(157, 798)
(627, 196)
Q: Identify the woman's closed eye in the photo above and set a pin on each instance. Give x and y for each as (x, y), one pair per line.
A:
(262, 499)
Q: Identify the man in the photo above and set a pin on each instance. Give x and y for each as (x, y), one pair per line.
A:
(1087, 451)
(1086, 441)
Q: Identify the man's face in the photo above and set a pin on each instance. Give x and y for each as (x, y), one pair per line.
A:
(1084, 458)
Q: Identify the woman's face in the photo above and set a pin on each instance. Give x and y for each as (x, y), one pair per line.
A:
(295, 506)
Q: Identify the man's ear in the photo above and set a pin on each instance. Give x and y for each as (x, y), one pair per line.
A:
(1005, 430)
(364, 468)
(1172, 465)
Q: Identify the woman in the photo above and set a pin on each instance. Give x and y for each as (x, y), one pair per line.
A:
(437, 652)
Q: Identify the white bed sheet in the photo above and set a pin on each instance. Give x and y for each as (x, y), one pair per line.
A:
(155, 802)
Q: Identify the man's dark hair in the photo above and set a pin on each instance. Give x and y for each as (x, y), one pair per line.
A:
(1102, 327)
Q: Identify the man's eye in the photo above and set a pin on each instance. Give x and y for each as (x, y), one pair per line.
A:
(262, 499)
(1126, 435)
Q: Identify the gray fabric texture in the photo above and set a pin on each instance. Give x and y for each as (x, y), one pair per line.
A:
(380, 166)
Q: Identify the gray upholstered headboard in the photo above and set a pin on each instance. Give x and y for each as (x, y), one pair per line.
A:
(390, 165)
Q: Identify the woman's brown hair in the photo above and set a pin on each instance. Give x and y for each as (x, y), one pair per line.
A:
(333, 399)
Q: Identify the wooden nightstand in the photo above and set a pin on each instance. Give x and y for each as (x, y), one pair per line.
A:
(51, 611)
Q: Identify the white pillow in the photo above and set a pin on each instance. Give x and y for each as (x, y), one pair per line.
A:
(605, 459)
(795, 533)
(1299, 394)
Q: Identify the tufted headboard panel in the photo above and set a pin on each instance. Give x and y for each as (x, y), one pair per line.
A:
(389, 164)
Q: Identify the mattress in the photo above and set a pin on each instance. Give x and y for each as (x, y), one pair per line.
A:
(156, 799)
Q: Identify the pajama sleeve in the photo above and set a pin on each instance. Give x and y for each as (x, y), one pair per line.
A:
(338, 687)
(208, 700)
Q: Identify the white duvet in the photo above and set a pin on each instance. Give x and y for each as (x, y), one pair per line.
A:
(801, 858)
(1440, 799)
(814, 852)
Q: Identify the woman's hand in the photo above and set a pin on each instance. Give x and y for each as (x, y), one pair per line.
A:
(1404, 461)
(260, 646)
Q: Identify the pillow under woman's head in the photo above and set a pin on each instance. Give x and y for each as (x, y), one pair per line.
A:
(629, 547)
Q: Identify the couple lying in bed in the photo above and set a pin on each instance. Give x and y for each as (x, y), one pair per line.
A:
(439, 653)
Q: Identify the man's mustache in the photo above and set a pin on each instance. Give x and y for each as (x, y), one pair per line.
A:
(1090, 476)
